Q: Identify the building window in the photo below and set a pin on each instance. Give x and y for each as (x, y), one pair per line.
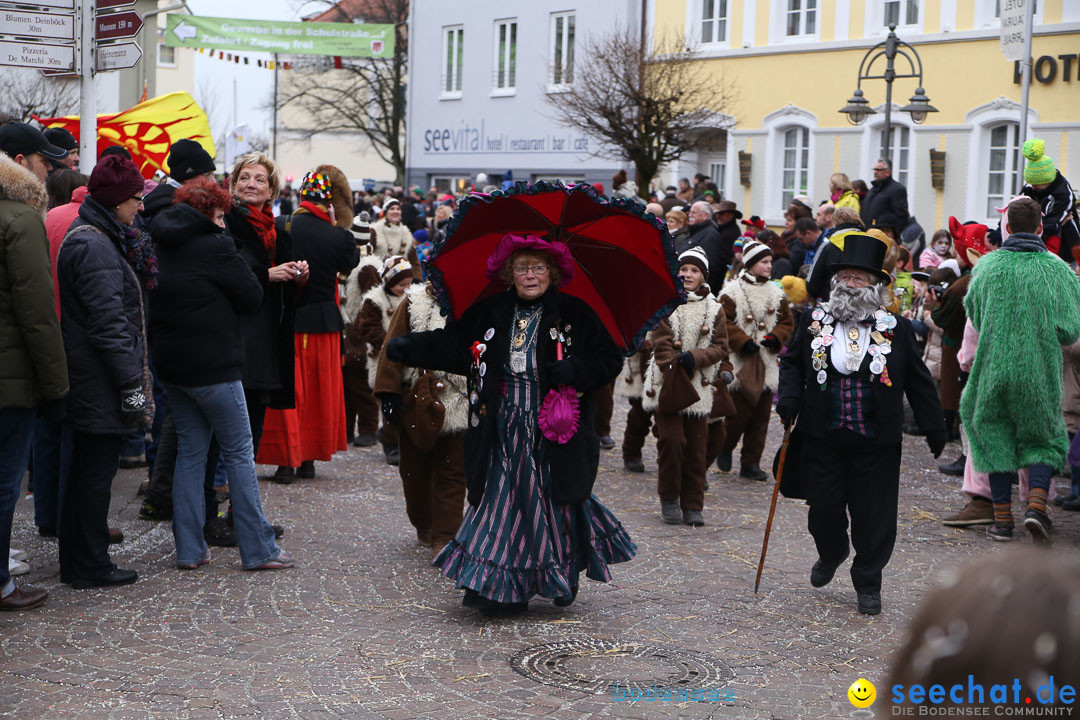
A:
(717, 172)
(562, 49)
(505, 54)
(166, 56)
(899, 151)
(901, 12)
(801, 17)
(796, 169)
(1004, 168)
(714, 17)
(453, 44)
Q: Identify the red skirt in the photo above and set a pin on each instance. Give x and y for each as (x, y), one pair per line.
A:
(315, 429)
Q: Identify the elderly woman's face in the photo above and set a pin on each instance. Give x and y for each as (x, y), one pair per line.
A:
(531, 273)
(253, 185)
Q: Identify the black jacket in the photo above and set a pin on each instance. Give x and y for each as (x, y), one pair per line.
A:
(729, 233)
(329, 250)
(101, 320)
(597, 361)
(886, 197)
(1059, 215)
(269, 350)
(706, 236)
(158, 199)
(203, 287)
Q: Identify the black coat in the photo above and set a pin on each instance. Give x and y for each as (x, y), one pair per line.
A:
(729, 233)
(269, 350)
(1059, 216)
(886, 197)
(203, 288)
(707, 237)
(158, 199)
(329, 250)
(597, 361)
(817, 285)
(101, 320)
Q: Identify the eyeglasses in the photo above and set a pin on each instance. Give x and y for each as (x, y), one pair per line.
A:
(536, 269)
(137, 197)
(851, 278)
(881, 169)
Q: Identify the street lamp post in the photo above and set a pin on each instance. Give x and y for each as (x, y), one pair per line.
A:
(858, 108)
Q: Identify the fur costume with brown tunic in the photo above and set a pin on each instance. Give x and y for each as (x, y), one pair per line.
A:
(361, 408)
(433, 480)
(700, 328)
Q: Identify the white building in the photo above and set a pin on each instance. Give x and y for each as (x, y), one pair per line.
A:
(478, 75)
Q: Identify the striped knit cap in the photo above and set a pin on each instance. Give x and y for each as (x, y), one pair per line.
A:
(754, 251)
(1040, 168)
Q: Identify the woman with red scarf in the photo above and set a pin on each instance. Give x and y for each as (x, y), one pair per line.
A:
(319, 235)
(267, 374)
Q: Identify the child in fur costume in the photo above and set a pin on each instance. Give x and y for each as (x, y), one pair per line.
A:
(759, 322)
(1025, 304)
(638, 420)
(361, 408)
(372, 324)
(432, 472)
(693, 339)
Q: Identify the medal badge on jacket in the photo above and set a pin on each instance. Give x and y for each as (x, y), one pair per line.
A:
(881, 336)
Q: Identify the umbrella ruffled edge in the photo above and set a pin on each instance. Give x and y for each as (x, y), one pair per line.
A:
(523, 187)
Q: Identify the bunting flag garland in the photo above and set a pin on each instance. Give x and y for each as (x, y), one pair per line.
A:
(239, 59)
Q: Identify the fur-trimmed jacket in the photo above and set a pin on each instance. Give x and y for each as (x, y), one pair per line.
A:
(418, 313)
(373, 322)
(700, 328)
(33, 366)
(362, 278)
(754, 310)
(632, 379)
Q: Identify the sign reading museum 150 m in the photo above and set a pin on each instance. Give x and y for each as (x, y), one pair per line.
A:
(299, 38)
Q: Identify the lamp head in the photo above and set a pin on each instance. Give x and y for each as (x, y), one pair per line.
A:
(857, 108)
(918, 106)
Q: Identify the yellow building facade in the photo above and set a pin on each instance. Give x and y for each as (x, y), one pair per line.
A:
(794, 63)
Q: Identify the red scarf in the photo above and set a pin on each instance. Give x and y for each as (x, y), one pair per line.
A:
(315, 210)
(262, 222)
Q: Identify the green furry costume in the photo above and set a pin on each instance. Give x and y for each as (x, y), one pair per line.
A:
(1025, 304)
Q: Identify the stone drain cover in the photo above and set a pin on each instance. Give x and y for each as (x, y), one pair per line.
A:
(596, 666)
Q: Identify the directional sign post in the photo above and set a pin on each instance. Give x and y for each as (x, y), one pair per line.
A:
(119, 56)
(57, 4)
(49, 26)
(109, 4)
(118, 25)
(45, 56)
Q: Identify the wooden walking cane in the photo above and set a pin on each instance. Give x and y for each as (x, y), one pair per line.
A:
(772, 508)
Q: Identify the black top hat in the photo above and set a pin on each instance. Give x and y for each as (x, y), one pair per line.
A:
(862, 252)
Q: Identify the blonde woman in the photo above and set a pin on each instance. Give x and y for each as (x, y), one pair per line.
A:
(841, 193)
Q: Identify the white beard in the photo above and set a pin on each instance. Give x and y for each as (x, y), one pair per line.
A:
(848, 303)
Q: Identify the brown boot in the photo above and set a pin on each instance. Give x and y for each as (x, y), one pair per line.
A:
(978, 511)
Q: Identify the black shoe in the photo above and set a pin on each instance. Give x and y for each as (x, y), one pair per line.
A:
(149, 511)
(109, 579)
(46, 531)
(822, 574)
(955, 468)
(1038, 526)
(723, 462)
(279, 532)
(606, 442)
(393, 455)
(634, 466)
(693, 518)
(491, 608)
(364, 441)
(127, 463)
(219, 533)
(284, 475)
(306, 471)
(1072, 503)
(870, 603)
(566, 602)
(912, 429)
(1059, 501)
(753, 473)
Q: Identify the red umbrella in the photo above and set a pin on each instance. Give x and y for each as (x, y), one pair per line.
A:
(624, 259)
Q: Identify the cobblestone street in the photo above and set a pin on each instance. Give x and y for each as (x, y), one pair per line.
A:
(364, 627)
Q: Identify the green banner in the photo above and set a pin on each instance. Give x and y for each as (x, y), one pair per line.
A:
(295, 38)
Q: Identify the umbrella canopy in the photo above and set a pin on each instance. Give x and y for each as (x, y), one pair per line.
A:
(624, 258)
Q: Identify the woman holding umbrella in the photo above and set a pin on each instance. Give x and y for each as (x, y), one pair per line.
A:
(533, 524)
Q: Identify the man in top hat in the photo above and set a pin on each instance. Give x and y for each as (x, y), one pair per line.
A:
(842, 382)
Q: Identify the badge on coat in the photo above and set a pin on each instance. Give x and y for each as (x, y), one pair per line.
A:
(489, 334)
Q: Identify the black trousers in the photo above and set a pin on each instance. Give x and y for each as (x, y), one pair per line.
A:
(84, 524)
(850, 475)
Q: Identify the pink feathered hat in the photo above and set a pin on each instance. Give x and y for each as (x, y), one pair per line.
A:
(510, 244)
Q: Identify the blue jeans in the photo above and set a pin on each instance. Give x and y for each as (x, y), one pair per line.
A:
(1039, 476)
(219, 410)
(52, 463)
(16, 435)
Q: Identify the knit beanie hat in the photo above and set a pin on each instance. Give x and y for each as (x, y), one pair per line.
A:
(1040, 168)
(114, 180)
(754, 251)
(361, 228)
(316, 186)
(187, 159)
(393, 268)
(695, 256)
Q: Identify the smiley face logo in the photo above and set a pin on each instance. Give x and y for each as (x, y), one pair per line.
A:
(862, 693)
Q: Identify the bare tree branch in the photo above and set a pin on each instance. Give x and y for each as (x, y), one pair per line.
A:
(645, 107)
(26, 92)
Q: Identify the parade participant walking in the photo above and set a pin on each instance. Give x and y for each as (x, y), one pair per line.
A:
(103, 267)
(34, 380)
(638, 420)
(842, 382)
(533, 524)
(759, 323)
(372, 324)
(432, 412)
(361, 407)
(1020, 297)
(204, 286)
(1045, 184)
(692, 340)
(319, 231)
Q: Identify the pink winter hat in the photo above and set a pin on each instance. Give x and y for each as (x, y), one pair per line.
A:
(510, 244)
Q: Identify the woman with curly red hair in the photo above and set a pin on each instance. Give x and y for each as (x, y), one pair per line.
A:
(203, 288)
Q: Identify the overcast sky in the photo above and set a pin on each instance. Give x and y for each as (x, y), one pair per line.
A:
(214, 79)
